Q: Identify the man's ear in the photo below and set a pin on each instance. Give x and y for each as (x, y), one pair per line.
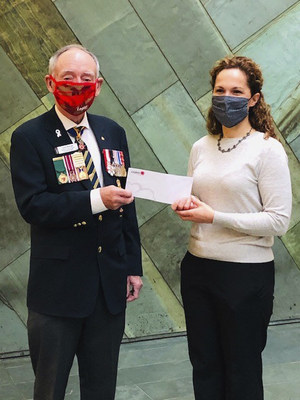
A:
(49, 83)
(254, 99)
(98, 85)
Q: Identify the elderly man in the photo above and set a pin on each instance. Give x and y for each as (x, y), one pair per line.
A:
(68, 171)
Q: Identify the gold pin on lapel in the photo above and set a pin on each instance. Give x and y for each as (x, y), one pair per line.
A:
(102, 138)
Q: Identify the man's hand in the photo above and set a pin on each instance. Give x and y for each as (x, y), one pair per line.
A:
(134, 285)
(114, 197)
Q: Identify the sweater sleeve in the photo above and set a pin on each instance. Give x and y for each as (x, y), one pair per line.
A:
(274, 187)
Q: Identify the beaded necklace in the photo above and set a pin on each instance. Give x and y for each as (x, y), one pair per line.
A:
(234, 146)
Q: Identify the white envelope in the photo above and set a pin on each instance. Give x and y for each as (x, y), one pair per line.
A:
(156, 186)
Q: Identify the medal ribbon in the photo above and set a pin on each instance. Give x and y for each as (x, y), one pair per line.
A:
(91, 170)
(122, 158)
(107, 160)
(116, 155)
(70, 168)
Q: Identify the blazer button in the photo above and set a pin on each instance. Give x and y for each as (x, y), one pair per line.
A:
(99, 249)
(121, 210)
(83, 223)
(79, 224)
(75, 225)
(100, 218)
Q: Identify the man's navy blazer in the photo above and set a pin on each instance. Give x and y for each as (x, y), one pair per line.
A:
(72, 250)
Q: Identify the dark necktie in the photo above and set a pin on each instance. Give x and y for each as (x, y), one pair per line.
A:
(76, 133)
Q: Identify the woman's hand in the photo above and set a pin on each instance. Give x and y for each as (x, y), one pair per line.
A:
(185, 203)
(192, 209)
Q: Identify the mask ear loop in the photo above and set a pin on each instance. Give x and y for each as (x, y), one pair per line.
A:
(51, 77)
(254, 100)
(53, 83)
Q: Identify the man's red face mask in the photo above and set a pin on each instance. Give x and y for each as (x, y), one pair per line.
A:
(74, 97)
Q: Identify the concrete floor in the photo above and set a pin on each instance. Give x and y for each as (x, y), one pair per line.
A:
(160, 370)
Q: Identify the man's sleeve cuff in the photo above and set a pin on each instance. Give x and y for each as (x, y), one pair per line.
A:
(97, 204)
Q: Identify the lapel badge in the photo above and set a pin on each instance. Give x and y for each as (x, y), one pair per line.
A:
(58, 133)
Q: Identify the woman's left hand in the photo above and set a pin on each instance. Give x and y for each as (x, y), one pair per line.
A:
(200, 212)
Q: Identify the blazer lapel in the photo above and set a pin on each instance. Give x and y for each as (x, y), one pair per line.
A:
(55, 131)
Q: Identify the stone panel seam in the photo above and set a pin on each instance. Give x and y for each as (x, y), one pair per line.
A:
(196, 101)
(8, 305)
(167, 283)
(5, 165)
(281, 135)
(160, 93)
(130, 116)
(63, 18)
(15, 259)
(163, 91)
(20, 119)
(139, 387)
(4, 300)
(264, 28)
(282, 241)
(163, 54)
(216, 27)
(153, 216)
(298, 223)
(25, 77)
(288, 145)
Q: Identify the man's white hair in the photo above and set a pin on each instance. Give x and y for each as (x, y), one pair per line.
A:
(59, 52)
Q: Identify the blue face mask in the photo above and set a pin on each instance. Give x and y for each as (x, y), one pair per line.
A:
(230, 110)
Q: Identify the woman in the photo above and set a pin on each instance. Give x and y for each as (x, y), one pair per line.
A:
(241, 199)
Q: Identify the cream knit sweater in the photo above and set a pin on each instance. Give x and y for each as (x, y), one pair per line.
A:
(250, 190)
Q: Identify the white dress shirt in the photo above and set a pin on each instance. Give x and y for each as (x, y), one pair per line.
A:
(89, 139)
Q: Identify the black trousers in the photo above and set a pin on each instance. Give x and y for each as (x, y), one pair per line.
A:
(95, 340)
(227, 308)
